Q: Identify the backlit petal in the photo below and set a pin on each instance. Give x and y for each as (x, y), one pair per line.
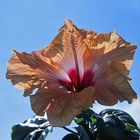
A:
(67, 48)
(61, 107)
(110, 56)
(114, 86)
(29, 71)
(104, 48)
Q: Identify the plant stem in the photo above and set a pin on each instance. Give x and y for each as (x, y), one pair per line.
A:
(69, 130)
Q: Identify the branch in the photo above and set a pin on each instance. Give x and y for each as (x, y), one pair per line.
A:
(64, 127)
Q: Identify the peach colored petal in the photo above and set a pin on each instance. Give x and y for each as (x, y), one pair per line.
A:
(91, 47)
(120, 56)
(113, 86)
(61, 107)
(67, 48)
(29, 71)
(109, 54)
(107, 47)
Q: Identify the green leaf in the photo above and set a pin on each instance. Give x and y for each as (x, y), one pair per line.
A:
(82, 133)
(79, 121)
(85, 117)
(129, 127)
(93, 120)
(71, 136)
(36, 128)
(116, 124)
(132, 128)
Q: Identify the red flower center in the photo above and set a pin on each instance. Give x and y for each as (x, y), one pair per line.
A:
(76, 85)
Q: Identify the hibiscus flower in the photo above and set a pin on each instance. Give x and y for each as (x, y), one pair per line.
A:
(76, 69)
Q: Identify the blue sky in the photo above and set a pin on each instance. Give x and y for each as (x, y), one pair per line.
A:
(29, 25)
